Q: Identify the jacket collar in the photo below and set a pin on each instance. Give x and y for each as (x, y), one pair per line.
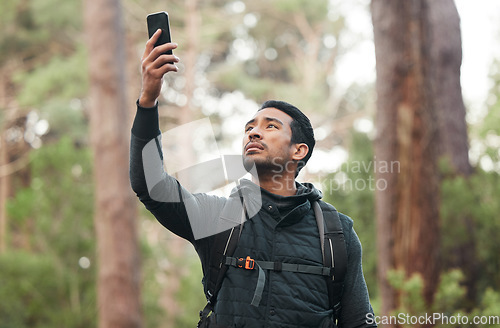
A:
(256, 198)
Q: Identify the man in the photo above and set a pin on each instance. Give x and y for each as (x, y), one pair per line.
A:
(280, 224)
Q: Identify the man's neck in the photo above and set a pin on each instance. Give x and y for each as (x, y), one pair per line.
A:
(278, 185)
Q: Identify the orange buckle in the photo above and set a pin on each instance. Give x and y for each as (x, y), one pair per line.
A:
(249, 263)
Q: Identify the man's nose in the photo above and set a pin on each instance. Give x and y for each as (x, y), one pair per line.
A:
(255, 133)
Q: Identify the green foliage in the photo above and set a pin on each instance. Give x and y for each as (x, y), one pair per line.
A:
(34, 293)
(475, 197)
(488, 132)
(489, 308)
(190, 295)
(32, 28)
(21, 209)
(68, 15)
(151, 289)
(410, 292)
(18, 31)
(66, 120)
(296, 43)
(63, 77)
(491, 124)
(447, 305)
(312, 10)
(230, 79)
(450, 295)
(54, 217)
(457, 201)
(42, 52)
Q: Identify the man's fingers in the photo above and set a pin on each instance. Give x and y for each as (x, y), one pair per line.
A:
(165, 63)
(160, 66)
(167, 68)
(155, 52)
(151, 43)
(164, 58)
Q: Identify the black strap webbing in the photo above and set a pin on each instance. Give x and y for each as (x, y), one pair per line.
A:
(334, 254)
(217, 271)
(224, 244)
(290, 267)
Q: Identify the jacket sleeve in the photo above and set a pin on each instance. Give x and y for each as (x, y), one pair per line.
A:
(356, 308)
(186, 215)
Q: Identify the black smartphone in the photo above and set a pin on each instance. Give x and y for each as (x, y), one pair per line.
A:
(160, 21)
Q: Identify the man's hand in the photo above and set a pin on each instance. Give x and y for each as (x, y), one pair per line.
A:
(154, 66)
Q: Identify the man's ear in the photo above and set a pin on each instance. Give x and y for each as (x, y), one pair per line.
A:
(300, 151)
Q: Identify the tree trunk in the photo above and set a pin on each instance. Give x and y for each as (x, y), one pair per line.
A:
(406, 150)
(446, 56)
(118, 295)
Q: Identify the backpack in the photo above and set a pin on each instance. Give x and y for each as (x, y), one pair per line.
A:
(333, 248)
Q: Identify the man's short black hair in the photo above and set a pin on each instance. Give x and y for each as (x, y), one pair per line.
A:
(302, 131)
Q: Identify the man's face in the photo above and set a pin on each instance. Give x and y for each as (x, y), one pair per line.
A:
(267, 141)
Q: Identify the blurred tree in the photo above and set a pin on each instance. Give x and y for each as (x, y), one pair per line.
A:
(118, 295)
(453, 144)
(412, 40)
(407, 210)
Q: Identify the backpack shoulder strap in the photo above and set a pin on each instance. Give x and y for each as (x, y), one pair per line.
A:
(223, 246)
(334, 250)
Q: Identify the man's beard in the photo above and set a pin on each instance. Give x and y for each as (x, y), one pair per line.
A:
(265, 166)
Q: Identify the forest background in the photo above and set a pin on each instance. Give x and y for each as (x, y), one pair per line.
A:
(78, 250)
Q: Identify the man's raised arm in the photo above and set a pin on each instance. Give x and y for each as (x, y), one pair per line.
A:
(146, 131)
(191, 216)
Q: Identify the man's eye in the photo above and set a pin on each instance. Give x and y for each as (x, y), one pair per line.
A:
(248, 128)
(272, 126)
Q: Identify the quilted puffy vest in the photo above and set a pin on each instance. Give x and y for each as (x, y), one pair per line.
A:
(289, 299)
